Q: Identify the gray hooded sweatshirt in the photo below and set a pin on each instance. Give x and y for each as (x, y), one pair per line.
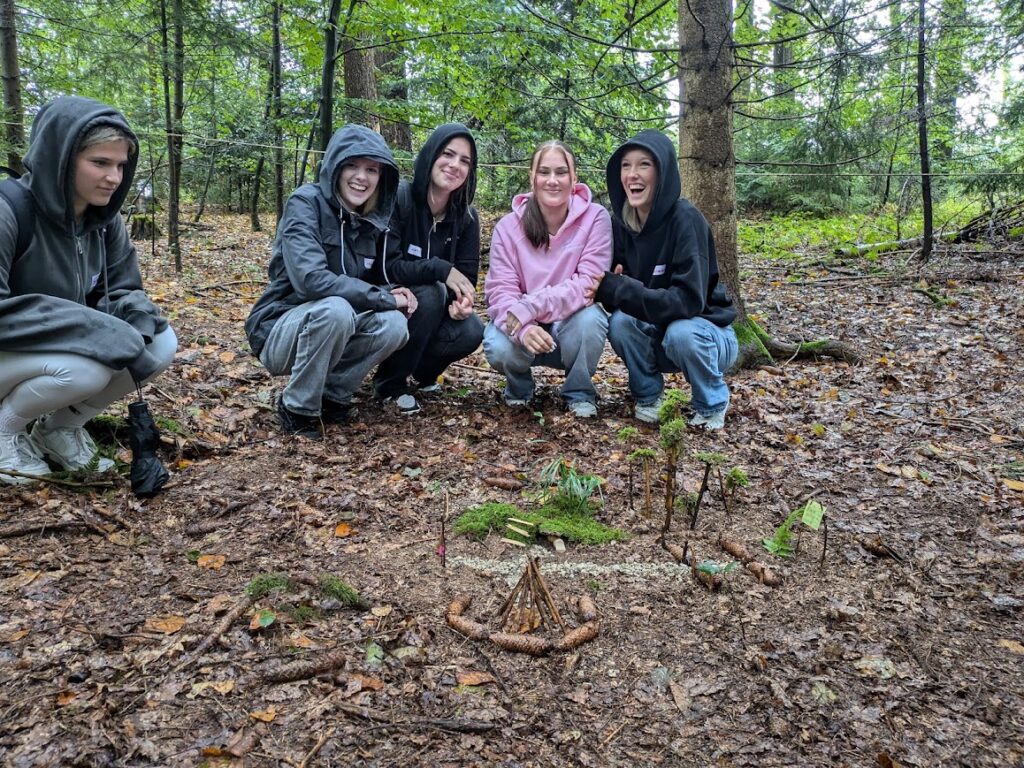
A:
(77, 289)
(322, 249)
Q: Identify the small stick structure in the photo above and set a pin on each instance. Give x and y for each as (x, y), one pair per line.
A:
(529, 604)
(524, 643)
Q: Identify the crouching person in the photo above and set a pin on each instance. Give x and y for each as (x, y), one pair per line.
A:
(77, 331)
(321, 320)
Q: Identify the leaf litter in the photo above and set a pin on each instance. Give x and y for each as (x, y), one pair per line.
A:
(903, 648)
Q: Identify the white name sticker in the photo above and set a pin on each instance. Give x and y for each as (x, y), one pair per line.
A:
(659, 270)
(95, 279)
(415, 250)
(368, 263)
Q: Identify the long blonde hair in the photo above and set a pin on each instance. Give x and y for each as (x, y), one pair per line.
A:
(534, 227)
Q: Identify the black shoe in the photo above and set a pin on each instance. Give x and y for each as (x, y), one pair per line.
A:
(297, 423)
(337, 413)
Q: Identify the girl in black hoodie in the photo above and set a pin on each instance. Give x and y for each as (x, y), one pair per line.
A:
(440, 261)
(669, 312)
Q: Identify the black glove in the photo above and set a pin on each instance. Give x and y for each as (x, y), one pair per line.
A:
(148, 475)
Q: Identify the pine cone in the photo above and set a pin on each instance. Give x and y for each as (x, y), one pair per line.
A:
(579, 636)
(586, 608)
(459, 604)
(535, 646)
(735, 549)
(764, 574)
(471, 629)
(676, 551)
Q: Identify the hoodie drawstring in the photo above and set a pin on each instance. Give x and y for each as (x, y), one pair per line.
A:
(341, 218)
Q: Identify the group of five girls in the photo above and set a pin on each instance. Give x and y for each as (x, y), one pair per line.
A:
(366, 273)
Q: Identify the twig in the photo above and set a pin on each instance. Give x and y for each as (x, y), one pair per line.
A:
(444, 724)
(721, 487)
(25, 529)
(58, 481)
(229, 618)
(316, 747)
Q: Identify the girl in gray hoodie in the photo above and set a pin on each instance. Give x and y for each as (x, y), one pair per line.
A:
(77, 331)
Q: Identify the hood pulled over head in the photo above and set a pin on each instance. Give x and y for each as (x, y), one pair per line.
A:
(462, 198)
(57, 130)
(352, 141)
(669, 186)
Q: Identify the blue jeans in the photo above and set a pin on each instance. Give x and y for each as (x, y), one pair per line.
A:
(329, 348)
(697, 347)
(580, 342)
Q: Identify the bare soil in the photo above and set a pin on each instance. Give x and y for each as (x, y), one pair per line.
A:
(898, 644)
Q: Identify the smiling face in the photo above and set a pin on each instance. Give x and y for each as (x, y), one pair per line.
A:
(99, 170)
(639, 176)
(452, 167)
(358, 181)
(552, 178)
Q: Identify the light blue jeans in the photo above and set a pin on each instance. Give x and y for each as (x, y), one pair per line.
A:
(580, 342)
(697, 347)
(329, 348)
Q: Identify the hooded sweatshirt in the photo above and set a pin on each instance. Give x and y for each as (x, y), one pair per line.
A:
(77, 289)
(670, 271)
(540, 285)
(430, 249)
(322, 249)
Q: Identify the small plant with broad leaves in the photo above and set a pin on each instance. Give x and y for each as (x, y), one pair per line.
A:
(780, 543)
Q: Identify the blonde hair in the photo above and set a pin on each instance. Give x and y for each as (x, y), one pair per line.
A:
(103, 134)
(533, 220)
(630, 217)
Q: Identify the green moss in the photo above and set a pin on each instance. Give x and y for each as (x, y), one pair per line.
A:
(332, 586)
(672, 434)
(736, 478)
(303, 614)
(672, 404)
(265, 583)
(480, 520)
(628, 434)
(580, 528)
(751, 338)
(708, 457)
(642, 453)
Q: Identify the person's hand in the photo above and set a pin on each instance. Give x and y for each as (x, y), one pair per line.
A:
(460, 309)
(405, 300)
(591, 292)
(511, 324)
(537, 341)
(460, 284)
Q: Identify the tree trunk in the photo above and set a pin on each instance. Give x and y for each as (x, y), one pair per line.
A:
(327, 74)
(707, 163)
(391, 65)
(360, 82)
(254, 199)
(922, 138)
(174, 108)
(15, 130)
(275, 75)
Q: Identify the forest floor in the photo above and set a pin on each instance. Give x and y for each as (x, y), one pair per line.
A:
(897, 644)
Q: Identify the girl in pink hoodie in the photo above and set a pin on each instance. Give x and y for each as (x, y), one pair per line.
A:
(546, 257)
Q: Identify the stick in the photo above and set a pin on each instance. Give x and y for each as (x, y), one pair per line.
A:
(24, 529)
(700, 495)
(721, 487)
(229, 618)
(57, 481)
(317, 747)
(647, 487)
(444, 724)
(550, 602)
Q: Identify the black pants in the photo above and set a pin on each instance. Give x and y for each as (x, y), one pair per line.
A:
(435, 342)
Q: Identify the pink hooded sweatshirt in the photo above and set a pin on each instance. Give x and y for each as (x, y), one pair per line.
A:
(543, 286)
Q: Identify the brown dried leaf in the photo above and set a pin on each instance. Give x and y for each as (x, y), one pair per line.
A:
(168, 624)
(474, 677)
(265, 715)
(213, 562)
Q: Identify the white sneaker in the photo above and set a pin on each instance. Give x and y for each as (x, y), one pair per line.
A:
(18, 453)
(71, 447)
(515, 402)
(648, 413)
(429, 389)
(583, 409)
(405, 404)
(710, 421)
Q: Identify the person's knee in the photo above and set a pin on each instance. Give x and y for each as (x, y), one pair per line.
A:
(333, 315)
(687, 339)
(499, 349)
(163, 348)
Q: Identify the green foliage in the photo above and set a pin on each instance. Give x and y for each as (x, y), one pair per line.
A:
(672, 434)
(686, 502)
(265, 583)
(642, 454)
(672, 404)
(573, 490)
(709, 457)
(480, 520)
(338, 589)
(714, 568)
(628, 434)
(781, 542)
(736, 478)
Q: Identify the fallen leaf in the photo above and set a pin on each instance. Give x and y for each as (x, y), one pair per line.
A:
(1013, 485)
(213, 562)
(220, 686)
(342, 530)
(66, 697)
(1013, 646)
(262, 619)
(299, 640)
(369, 683)
(264, 715)
(380, 611)
(167, 624)
(23, 579)
(875, 666)
(226, 357)
(682, 701)
(474, 677)
(219, 603)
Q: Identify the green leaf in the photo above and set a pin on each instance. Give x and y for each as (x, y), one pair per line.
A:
(374, 654)
(263, 618)
(812, 515)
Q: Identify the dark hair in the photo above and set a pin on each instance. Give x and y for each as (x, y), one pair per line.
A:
(534, 227)
(459, 199)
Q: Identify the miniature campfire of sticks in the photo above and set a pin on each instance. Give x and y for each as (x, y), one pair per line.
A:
(528, 607)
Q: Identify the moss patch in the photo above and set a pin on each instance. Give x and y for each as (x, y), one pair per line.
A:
(579, 527)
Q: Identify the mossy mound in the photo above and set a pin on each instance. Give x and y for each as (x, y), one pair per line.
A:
(579, 527)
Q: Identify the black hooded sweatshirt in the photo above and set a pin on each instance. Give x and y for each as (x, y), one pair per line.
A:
(670, 271)
(430, 249)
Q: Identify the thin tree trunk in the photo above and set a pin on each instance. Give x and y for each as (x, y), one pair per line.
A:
(327, 75)
(922, 139)
(13, 112)
(275, 75)
(173, 75)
